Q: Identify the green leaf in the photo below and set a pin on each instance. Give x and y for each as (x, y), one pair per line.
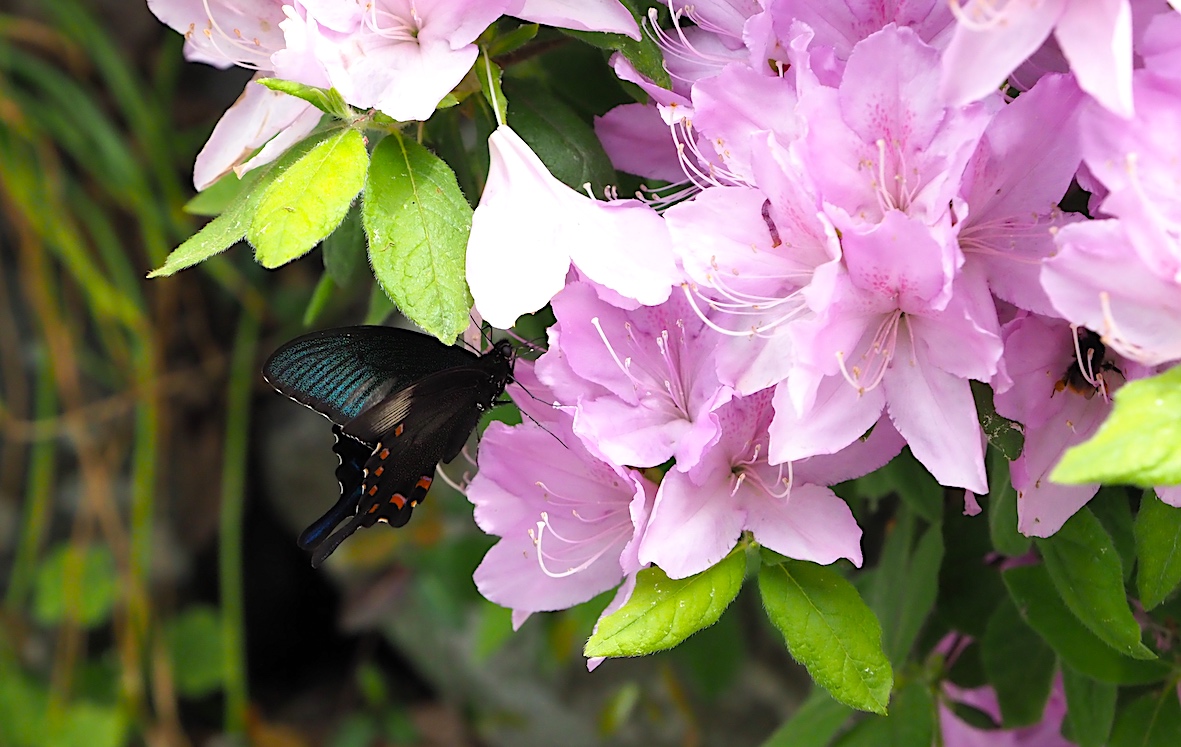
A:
(76, 583)
(814, 723)
(1020, 667)
(380, 306)
(662, 612)
(643, 54)
(1044, 611)
(1087, 572)
(23, 706)
(1112, 507)
(230, 227)
(490, 76)
(714, 657)
(90, 725)
(217, 197)
(1090, 708)
(1137, 444)
(969, 589)
(345, 260)
(512, 40)
(1005, 435)
(563, 141)
(418, 222)
(1153, 720)
(903, 594)
(910, 723)
(830, 630)
(309, 200)
(1002, 508)
(1158, 546)
(319, 300)
(327, 100)
(195, 642)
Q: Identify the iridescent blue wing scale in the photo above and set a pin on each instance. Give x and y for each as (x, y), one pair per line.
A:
(342, 372)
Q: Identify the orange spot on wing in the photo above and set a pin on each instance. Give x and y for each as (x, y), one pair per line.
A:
(398, 430)
(373, 508)
(384, 454)
(372, 490)
(377, 472)
(424, 483)
(398, 500)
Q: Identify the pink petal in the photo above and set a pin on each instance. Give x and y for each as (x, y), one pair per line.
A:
(583, 15)
(978, 59)
(838, 417)
(935, 413)
(1096, 37)
(258, 116)
(812, 523)
(692, 527)
(639, 142)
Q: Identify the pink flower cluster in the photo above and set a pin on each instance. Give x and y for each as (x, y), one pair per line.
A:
(858, 221)
(400, 57)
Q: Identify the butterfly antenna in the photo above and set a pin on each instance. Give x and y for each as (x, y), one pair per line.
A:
(527, 343)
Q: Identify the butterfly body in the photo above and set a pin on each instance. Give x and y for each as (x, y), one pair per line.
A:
(400, 403)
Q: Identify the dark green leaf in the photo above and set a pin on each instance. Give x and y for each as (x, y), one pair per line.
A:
(830, 630)
(713, 657)
(1002, 508)
(319, 300)
(969, 589)
(662, 612)
(1090, 707)
(1137, 444)
(1040, 606)
(561, 139)
(418, 222)
(903, 593)
(310, 200)
(814, 723)
(910, 723)
(644, 54)
(973, 716)
(1113, 509)
(1005, 435)
(1151, 721)
(512, 40)
(345, 260)
(1086, 570)
(1158, 545)
(1020, 667)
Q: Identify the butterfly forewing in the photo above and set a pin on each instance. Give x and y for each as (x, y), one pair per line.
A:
(342, 372)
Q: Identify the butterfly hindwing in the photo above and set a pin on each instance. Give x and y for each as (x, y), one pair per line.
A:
(350, 473)
(342, 372)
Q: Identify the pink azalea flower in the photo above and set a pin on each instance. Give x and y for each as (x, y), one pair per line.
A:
(890, 349)
(1137, 310)
(698, 516)
(1060, 402)
(1012, 186)
(529, 228)
(568, 521)
(646, 376)
(956, 733)
(993, 38)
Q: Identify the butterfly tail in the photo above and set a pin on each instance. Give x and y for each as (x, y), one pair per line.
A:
(340, 535)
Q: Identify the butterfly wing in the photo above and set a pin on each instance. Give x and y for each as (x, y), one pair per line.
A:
(342, 372)
(350, 473)
(413, 430)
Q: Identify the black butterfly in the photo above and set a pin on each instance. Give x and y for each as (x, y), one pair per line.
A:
(400, 403)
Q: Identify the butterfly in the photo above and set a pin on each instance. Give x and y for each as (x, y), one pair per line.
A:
(400, 402)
